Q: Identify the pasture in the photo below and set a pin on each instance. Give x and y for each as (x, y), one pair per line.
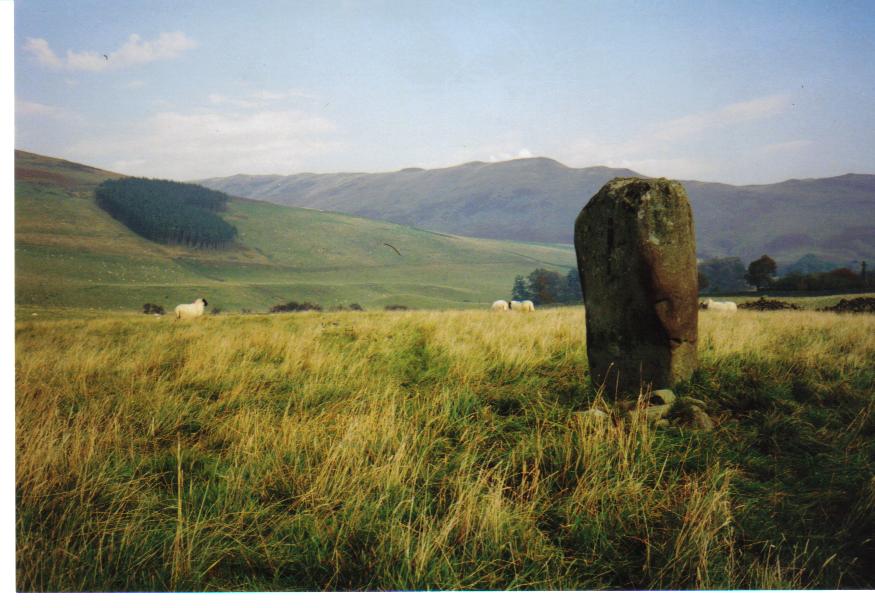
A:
(434, 450)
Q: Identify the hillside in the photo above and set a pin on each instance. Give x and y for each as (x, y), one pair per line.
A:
(515, 200)
(70, 253)
(537, 200)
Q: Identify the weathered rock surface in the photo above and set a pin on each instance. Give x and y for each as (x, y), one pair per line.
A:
(636, 254)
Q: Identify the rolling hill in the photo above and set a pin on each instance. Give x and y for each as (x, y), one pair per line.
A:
(537, 200)
(70, 253)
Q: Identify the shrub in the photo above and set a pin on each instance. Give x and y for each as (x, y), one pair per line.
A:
(295, 307)
(834, 280)
(152, 309)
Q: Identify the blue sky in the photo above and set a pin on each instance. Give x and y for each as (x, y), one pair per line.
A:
(739, 92)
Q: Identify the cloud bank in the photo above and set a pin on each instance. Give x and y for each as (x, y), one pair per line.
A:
(663, 147)
(135, 51)
(204, 143)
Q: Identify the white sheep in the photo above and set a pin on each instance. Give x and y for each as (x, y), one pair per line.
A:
(524, 306)
(710, 304)
(190, 311)
(499, 305)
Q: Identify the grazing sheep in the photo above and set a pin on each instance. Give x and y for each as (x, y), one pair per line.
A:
(524, 306)
(710, 304)
(190, 311)
(499, 305)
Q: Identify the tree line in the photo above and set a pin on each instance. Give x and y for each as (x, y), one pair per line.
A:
(168, 212)
(719, 275)
(726, 275)
(544, 286)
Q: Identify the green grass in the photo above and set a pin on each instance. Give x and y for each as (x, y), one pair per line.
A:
(70, 253)
(434, 450)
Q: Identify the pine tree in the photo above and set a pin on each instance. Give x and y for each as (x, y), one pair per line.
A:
(520, 290)
(703, 282)
(573, 289)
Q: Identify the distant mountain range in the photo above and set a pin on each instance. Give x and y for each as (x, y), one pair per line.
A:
(538, 199)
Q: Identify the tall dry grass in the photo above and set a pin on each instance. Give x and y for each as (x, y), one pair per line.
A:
(434, 450)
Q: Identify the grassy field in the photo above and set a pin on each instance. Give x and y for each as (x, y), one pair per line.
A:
(435, 450)
(69, 253)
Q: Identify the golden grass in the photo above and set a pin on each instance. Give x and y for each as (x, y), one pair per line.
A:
(404, 450)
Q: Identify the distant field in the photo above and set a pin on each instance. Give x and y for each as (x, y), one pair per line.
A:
(434, 450)
(69, 253)
(31, 311)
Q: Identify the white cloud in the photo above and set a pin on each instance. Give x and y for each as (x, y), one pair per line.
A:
(133, 84)
(32, 108)
(502, 156)
(210, 143)
(655, 150)
(507, 147)
(786, 146)
(694, 124)
(259, 99)
(673, 168)
(40, 49)
(134, 51)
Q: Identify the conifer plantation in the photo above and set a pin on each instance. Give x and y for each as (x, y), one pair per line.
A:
(168, 212)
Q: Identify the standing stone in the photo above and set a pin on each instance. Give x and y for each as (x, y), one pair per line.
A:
(636, 255)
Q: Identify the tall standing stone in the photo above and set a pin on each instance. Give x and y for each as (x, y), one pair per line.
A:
(636, 255)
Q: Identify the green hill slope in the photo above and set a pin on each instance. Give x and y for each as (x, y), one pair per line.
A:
(70, 253)
(538, 199)
(534, 199)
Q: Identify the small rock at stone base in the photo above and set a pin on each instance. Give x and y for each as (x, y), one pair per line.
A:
(656, 412)
(690, 413)
(701, 421)
(663, 396)
(694, 402)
